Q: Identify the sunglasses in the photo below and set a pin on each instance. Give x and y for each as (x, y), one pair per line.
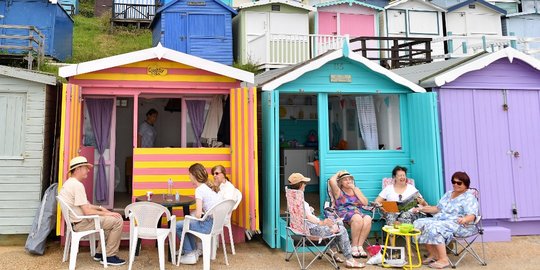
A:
(400, 197)
(217, 173)
(459, 183)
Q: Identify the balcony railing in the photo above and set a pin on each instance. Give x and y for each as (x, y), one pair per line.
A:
(279, 50)
(23, 42)
(394, 52)
(134, 13)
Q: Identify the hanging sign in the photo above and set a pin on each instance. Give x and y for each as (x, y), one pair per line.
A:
(340, 78)
(155, 70)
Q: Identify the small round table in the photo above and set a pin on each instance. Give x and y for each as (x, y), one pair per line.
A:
(169, 201)
(391, 231)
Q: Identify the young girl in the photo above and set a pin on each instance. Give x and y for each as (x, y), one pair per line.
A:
(205, 198)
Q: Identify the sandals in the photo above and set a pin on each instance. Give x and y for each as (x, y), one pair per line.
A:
(352, 263)
(334, 255)
(438, 265)
(358, 252)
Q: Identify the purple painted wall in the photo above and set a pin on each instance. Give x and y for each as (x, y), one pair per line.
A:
(480, 137)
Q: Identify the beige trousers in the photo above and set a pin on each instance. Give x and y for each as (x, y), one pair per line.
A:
(112, 227)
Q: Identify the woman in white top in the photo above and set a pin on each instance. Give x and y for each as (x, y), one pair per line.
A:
(398, 192)
(205, 198)
(226, 189)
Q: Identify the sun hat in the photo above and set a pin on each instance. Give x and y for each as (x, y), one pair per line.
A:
(343, 174)
(78, 162)
(296, 178)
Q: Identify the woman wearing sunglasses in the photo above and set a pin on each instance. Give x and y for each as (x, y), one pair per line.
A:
(454, 210)
(226, 189)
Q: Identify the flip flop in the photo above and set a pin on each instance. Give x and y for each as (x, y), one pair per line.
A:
(362, 253)
(355, 253)
(335, 256)
(437, 265)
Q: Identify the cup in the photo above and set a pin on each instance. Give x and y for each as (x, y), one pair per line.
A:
(149, 195)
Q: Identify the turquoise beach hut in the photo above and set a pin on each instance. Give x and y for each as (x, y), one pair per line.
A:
(343, 112)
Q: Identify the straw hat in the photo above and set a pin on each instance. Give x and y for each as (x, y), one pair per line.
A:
(296, 178)
(343, 174)
(78, 162)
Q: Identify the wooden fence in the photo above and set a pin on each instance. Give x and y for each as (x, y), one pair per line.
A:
(22, 41)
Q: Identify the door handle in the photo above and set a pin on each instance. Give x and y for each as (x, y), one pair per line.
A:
(516, 154)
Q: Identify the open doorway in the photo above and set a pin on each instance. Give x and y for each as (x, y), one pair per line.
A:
(298, 144)
(123, 152)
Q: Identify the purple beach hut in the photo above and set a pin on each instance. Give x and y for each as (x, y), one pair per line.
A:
(490, 127)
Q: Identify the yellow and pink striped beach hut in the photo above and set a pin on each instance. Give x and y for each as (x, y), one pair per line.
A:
(204, 116)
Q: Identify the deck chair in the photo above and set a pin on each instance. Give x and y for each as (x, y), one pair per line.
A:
(460, 246)
(298, 232)
(73, 238)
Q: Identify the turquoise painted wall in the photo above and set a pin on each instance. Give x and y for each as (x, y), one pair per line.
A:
(419, 134)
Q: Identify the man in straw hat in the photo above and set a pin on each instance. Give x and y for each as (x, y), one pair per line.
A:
(74, 194)
(326, 227)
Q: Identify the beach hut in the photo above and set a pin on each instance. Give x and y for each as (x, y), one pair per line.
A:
(347, 17)
(112, 95)
(365, 119)
(27, 123)
(525, 25)
(490, 120)
(467, 22)
(413, 19)
(272, 33)
(71, 6)
(48, 16)
(200, 28)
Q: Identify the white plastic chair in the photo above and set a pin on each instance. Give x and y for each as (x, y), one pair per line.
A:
(143, 220)
(228, 225)
(73, 238)
(218, 213)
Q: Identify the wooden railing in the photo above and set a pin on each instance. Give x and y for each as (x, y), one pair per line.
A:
(394, 52)
(133, 13)
(288, 49)
(22, 41)
(466, 45)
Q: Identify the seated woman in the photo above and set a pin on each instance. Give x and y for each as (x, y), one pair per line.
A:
(397, 192)
(226, 189)
(319, 227)
(205, 198)
(455, 209)
(349, 201)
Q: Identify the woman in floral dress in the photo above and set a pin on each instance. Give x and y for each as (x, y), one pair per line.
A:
(455, 210)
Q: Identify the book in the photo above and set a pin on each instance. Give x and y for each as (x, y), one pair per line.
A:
(409, 202)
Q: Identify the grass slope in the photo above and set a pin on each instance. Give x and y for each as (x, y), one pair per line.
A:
(93, 39)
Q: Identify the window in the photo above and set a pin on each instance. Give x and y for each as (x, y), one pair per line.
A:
(364, 122)
(12, 121)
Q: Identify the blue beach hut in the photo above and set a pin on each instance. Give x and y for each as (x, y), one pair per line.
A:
(202, 28)
(48, 16)
(365, 119)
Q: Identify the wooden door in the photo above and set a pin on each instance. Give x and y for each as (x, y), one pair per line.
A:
(524, 130)
(70, 136)
(395, 22)
(494, 162)
(256, 37)
(328, 23)
(175, 34)
(356, 25)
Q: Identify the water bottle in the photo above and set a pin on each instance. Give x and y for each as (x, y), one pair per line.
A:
(169, 187)
(177, 196)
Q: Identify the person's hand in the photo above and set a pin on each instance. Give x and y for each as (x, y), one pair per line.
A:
(461, 220)
(113, 214)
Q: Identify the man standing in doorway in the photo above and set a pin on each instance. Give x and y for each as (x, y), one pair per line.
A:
(74, 195)
(147, 132)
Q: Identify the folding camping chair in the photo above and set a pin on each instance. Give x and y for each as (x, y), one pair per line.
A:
(299, 234)
(462, 245)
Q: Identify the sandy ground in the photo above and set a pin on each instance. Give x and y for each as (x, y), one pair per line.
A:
(521, 253)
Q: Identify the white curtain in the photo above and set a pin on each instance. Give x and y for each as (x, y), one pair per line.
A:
(213, 119)
(367, 120)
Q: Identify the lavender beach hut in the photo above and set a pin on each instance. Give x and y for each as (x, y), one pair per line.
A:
(490, 121)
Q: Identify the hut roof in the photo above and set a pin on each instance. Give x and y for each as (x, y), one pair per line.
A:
(440, 73)
(158, 52)
(29, 75)
(285, 2)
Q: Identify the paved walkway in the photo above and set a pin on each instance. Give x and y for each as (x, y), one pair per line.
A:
(521, 253)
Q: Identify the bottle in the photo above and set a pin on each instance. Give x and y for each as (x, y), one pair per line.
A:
(169, 186)
(177, 196)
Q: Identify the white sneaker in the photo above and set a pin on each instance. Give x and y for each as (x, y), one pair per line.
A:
(190, 258)
(198, 253)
